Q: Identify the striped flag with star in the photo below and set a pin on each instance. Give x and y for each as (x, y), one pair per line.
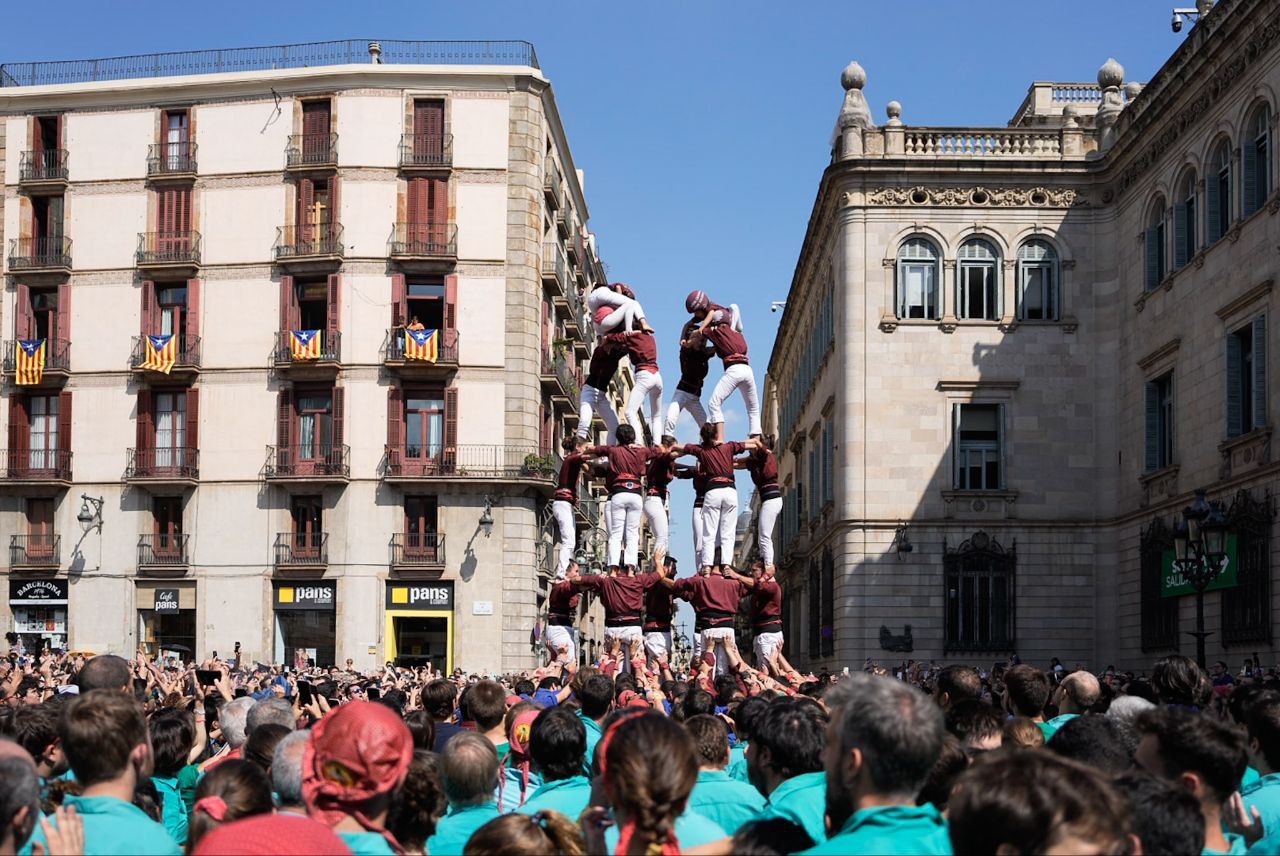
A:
(304, 344)
(422, 345)
(162, 353)
(29, 359)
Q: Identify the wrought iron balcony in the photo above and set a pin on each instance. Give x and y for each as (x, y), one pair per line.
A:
(170, 465)
(408, 461)
(32, 254)
(301, 549)
(177, 159)
(309, 241)
(38, 465)
(186, 354)
(555, 269)
(424, 241)
(168, 249)
(44, 166)
(311, 151)
(35, 551)
(446, 352)
(319, 462)
(168, 550)
(328, 354)
(557, 373)
(57, 357)
(426, 151)
(552, 185)
(417, 550)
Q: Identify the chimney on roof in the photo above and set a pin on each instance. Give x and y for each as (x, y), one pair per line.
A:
(375, 53)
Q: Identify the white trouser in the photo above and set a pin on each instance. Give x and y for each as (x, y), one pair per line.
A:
(626, 310)
(655, 511)
(769, 511)
(606, 518)
(719, 522)
(658, 644)
(590, 402)
(697, 533)
(625, 510)
(562, 511)
(710, 639)
(766, 645)
(737, 376)
(684, 401)
(644, 405)
(560, 638)
(625, 636)
(697, 647)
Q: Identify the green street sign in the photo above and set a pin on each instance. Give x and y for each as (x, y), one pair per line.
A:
(1174, 584)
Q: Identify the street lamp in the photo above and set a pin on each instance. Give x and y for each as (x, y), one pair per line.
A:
(486, 517)
(90, 519)
(1200, 550)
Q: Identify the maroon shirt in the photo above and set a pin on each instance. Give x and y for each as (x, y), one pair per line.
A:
(716, 461)
(714, 598)
(570, 472)
(658, 609)
(641, 348)
(604, 364)
(561, 603)
(695, 362)
(659, 473)
(626, 465)
(763, 467)
(699, 483)
(731, 346)
(622, 597)
(766, 606)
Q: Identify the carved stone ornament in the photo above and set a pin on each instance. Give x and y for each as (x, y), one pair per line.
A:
(980, 197)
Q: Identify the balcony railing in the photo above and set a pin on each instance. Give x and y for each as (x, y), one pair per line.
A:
(305, 150)
(446, 348)
(565, 375)
(424, 239)
(186, 355)
(302, 549)
(426, 150)
(330, 350)
(414, 549)
(315, 239)
(180, 463)
(162, 550)
(468, 461)
(43, 165)
(57, 356)
(317, 461)
(38, 464)
(53, 251)
(35, 551)
(981, 143)
(552, 185)
(554, 266)
(175, 158)
(168, 248)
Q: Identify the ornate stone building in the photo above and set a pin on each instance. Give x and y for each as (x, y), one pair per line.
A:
(1009, 357)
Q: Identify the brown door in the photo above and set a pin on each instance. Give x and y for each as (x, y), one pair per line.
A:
(39, 529)
(428, 131)
(315, 131)
(420, 537)
(308, 527)
(167, 511)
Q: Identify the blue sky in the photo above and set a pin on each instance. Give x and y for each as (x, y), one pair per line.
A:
(703, 128)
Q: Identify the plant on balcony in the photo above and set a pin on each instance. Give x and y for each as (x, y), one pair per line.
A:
(561, 347)
(539, 465)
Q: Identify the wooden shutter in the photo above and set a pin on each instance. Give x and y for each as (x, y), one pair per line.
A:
(334, 307)
(63, 333)
(1213, 208)
(338, 413)
(438, 212)
(1259, 372)
(417, 210)
(1235, 390)
(64, 427)
(399, 300)
(1180, 252)
(1248, 178)
(18, 426)
(428, 119)
(193, 421)
(395, 420)
(288, 302)
(147, 314)
(315, 118)
(451, 304)
(145, 418)
(22, 318)
(335, 208)
(451, 426)
(1151, 446)
(38, 141)
(192, 309)
(957, 457)
(1152, 258)
(284, 420)
(182, 210)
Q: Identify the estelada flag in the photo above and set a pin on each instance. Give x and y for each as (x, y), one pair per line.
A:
(162, 353)
(304, 344)
(422, 345)
(30, 355)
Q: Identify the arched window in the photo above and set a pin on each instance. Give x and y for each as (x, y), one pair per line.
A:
(1218, 193)
(1155, 241)
(1255, 173)
(1184, 221)
(918, 277)
(1037, 282)
(978, 281)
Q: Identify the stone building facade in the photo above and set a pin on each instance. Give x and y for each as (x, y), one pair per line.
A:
(1009, 356)
(351, 501)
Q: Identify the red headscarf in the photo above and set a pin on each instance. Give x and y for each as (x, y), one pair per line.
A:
(518, 752)
(357, 752)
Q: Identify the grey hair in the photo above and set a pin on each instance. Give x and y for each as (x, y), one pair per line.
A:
(898, 729)
(232, 718)
(1126, 708)
(270, 710)
(468, 769)
(286, 767)
(21, 788)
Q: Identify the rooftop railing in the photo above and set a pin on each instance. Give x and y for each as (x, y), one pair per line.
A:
(981, 143)
(303, 55)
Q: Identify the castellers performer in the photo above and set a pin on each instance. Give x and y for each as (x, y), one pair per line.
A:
(594, 398)
(561, 637)
(644, 404)
(657, 476)
(722, 327)
(622, 479)
(566, 500)
(695, 361)
(623, 309)
(622, 596)
(720, 505)
(763, 467)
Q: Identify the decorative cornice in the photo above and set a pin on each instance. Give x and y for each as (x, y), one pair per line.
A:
(480, 176)
(1168, 349)
(976, 197)
(107, 188)
(1230, 308)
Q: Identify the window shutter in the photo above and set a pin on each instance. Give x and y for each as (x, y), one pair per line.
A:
(398, 301)
(1001, 454)
(63, 333)
(38, 142)
(182, 210)
(1180, 235)
(395, 420)
(315, 118)
(192, 308)
(428, 119)
(416, 202)
(22, 320)
(17, 427)
(1259, 371)
(1151, 446)
(451, 308)
(306, 205)
(339, 407)
(64, 426)
(147, 313)
(335, 208)
(1249, 179)
(287, 303)
(193, 421)
(334, 307)
(284, 420)
(957, 458)
(1153, 258)
(438, 213)
(1213, 208)
(143, 421)
(1235, 391)
(451, 422)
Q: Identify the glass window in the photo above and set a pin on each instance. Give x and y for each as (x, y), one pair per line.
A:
(978, 433)
(1154, 238)
(1158, 402)
(980, 596)
(978, 281)
(315, 425)
(1218, 193)
(1247, 378)
(1037, 282)
(1184, 221)
(171, 428)
(918, 280)
(424, 425)
(1256, 162)
(43, 423)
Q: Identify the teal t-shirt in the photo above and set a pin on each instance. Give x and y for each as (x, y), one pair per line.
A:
(1235, 846)
(188, 777)
(737, 768)
(174, 811)
(692, 830)
(803, 801)
(113, 826)
(720, 798)
(569, 796)
(1264, 795)
(1051, 727)
(367, 843)
(1250, 776)
(891, 830)
(457, 826)
(593, 737)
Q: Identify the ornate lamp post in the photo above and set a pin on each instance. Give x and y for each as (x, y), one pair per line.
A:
(1200, 551)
